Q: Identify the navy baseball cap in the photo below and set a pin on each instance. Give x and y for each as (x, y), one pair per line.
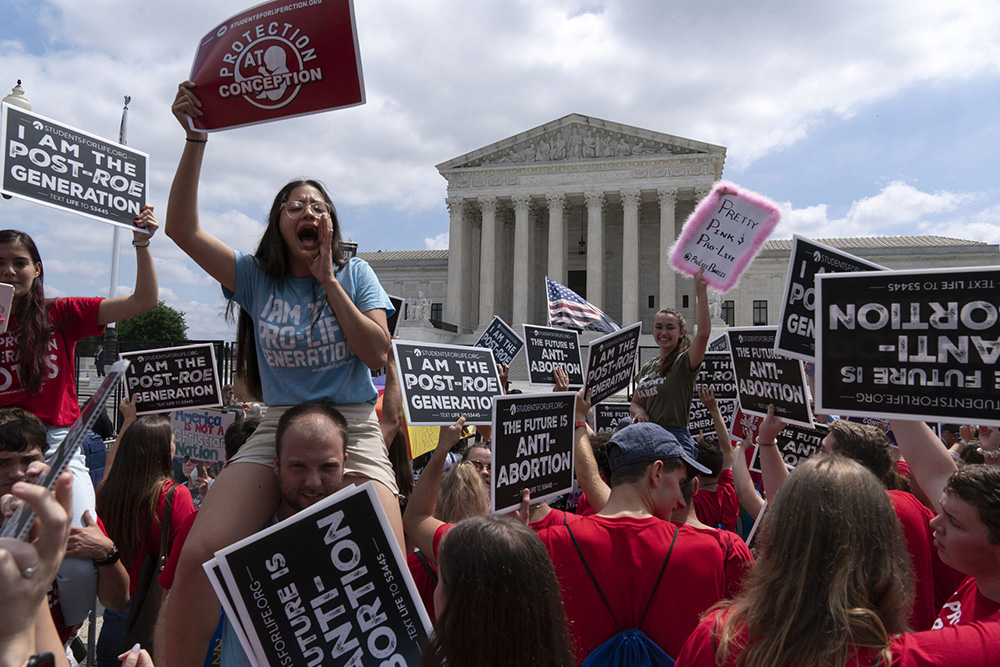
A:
(646, 442)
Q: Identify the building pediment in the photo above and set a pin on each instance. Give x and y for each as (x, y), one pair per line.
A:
(579, 138)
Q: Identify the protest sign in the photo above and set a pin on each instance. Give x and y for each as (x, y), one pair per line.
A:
(532, 448)
(6, 298)
(503, 340)
(796, 444)
(173, 378)
(700, 418)
(293, 605)
(440, 383)
(611, 362)
(763, 377)
(744, 425)
(423, 439)
(278, 60)
(392, 322)
(549, 347)
(723, 234)
(608, 414)
(720, 344)
(795, 332)
(909, 344)
(881, 424)
(199, 434)
(717, 372)
(60, 166)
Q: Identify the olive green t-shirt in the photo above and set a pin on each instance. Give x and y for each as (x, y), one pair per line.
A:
(667, 398)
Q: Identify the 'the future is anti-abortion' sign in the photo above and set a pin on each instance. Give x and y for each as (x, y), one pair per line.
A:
(532, 448)
(723, 234)
(277, 60)
(173, 378)
(549, 348)
(440, 383)
(764, 377)
(910, 344)
(60, 166)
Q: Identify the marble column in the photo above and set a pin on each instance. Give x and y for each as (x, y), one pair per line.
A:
(668, 279)
(457, 279)
(487, 261)
(557, 238)
(521, 253)
(630, 256)
(595, 248)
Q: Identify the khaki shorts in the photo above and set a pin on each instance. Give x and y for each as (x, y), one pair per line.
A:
(367, 455)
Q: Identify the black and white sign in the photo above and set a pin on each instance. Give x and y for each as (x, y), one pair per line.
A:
(796, 337)
(356, 605)
(909, 344)
(392, 322)
(608, 414)
(700, 417)
(611, 362)
(720, 344)
(717, 372)
(173, 378)
(796, 444)
(549, 347)
(57, 165)
(503, 340)
(532, 448)
(440, 383)
(200, 434)
(763, 377)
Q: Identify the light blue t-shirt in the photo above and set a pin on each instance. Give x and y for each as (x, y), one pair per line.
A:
(302, 353)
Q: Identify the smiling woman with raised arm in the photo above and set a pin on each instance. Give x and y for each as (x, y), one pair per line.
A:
(312, 326)
(665, 385)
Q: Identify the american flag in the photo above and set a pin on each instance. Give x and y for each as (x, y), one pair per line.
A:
(569, 309)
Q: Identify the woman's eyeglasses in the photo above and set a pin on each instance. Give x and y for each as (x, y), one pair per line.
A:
(295, 209)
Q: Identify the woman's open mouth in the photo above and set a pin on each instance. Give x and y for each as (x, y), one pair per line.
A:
(308, 236)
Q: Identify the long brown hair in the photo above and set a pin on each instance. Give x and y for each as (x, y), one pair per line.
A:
(127, 500)
(503, 606)
(833, 577)
(683, 340)
(272, 258)
(33, 326)
(462, 494)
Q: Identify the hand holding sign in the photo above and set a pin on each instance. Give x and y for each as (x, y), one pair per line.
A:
(767, 432)
(187, 107)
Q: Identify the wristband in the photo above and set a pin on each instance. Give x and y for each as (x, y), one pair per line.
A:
(764, 444)
(196, 141)
(112, 558)
(579, 424)
(140, 244)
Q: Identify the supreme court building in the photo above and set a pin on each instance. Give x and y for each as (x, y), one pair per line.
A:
(596, 206)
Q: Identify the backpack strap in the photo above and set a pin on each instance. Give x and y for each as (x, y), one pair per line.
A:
(592, 578)
(660, 577)
(168, 508)
(427, 566)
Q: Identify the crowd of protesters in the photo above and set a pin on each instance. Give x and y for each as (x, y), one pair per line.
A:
(863, 554)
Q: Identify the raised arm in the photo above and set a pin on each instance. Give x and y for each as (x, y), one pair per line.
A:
(928, 458)
(749, 499)
(145, 295)
(588, 476)
(707, 396)
(392, 402)
(127, 408)
(699, 343)
(418, 519)
(772, 467)
(208, 252)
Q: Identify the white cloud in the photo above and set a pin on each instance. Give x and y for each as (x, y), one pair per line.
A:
(439, 242)
(983, 226)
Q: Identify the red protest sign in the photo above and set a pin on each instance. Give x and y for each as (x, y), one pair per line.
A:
(278, 60)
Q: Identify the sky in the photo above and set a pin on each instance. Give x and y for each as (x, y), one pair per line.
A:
(860, 118)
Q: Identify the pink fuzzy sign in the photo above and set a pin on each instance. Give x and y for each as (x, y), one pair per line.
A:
(723, 234)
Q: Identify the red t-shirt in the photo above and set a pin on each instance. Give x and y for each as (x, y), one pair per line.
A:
(183, 508)
(426, 583)
(975, 643)
(699, 649)
(56, 403)
(170, 569)
(553, 518)
(914, 519)
(625, 554)
(720, 506)
(967, 605)
(583, 506)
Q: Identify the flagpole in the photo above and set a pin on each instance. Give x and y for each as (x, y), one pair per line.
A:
(111, 333)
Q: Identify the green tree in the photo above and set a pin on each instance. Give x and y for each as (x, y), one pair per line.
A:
(161, 323)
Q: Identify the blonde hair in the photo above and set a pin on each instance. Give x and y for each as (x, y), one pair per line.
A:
(462, 494)
(833, 577)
